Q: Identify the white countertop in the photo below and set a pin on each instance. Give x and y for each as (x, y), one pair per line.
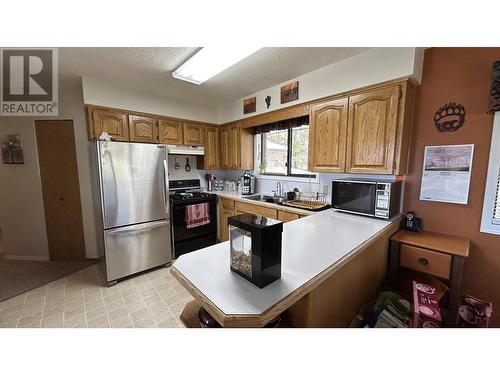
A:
(310, 245)
(236, 195)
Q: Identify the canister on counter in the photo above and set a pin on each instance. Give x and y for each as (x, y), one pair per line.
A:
(255, 243)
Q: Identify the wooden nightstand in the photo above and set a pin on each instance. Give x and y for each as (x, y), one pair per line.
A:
(435, 254)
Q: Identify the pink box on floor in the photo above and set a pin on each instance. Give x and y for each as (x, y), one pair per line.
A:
(426, 312)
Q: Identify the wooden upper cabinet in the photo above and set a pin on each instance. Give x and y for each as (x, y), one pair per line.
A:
(193, 134)
(224, 147)
(113, 122)
(143, 129)
(371, 131)
(170, 131)
(328, 136)
(212, 148)
(234, 147)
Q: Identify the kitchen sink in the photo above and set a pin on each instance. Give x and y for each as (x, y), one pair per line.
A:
(259, 198)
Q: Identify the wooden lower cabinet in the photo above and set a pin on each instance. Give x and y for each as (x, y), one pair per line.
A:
(333, 303)
(226, 210)
(229, 207)
(143, 129)
(285, 216)
(256, 210)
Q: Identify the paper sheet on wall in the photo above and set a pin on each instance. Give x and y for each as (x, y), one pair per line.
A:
(446, 173)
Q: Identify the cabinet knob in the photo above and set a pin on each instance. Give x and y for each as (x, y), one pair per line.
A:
(423, 261)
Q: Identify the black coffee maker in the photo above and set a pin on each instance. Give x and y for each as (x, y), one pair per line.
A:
(247, 183)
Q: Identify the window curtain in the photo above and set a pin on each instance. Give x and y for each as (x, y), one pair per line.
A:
(494, 104)
(282, 125)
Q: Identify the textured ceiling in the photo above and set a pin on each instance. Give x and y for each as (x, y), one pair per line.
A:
(149, 69)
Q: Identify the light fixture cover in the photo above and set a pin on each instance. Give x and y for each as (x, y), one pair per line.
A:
(210, 61)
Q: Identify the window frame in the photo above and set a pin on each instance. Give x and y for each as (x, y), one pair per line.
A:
(490, 192)
(288, 159)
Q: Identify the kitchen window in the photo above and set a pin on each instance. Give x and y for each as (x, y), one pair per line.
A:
(283, 148)
(490, 221)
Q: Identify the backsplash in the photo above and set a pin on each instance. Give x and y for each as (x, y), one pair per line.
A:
(266, 185)
(194, 173)
(262, 185)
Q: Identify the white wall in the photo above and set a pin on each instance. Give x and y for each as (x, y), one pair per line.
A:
(370, 67)
(22, 216)
(99, 92)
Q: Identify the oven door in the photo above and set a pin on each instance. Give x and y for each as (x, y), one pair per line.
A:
(190, 239)
(354, 196)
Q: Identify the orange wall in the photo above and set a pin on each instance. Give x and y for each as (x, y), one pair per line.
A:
(460, 75)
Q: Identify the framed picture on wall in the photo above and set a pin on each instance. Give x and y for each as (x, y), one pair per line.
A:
(12, 149)
(249, 105)
(290, 92)
(446, 173)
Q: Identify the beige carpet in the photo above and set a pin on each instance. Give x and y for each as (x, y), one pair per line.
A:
(19, 276)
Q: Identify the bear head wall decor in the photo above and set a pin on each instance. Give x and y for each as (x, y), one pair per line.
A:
(450, 117)
(494, 103)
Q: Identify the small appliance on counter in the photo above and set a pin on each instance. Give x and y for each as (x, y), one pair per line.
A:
(255, 243)
(247, 183)
(380, 199)
(412, 223)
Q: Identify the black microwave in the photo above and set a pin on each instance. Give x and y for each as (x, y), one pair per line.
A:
(380, 199)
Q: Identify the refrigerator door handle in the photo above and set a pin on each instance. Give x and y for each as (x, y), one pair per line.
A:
(165, 195)
(137, 227)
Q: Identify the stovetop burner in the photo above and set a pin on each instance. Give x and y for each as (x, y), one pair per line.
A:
(191, 195)
(188, 190)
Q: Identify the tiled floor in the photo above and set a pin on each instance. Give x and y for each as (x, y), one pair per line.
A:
(80, 300)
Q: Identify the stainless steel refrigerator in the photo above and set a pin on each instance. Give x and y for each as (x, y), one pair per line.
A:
(133, 182)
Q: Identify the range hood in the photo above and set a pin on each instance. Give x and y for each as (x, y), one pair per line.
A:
(185, 150)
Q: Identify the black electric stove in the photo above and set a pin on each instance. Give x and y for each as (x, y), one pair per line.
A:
(182, 194)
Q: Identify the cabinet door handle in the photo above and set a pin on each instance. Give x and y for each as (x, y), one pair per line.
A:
(423, 261)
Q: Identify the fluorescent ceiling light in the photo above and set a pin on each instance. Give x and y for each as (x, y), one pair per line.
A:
(210, 61)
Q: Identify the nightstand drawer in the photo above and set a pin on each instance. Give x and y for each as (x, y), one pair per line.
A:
(431, 262)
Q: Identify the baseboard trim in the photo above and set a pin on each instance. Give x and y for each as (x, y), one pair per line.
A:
(26, 257)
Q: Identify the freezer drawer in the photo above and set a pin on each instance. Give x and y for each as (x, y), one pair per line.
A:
(136, 248)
